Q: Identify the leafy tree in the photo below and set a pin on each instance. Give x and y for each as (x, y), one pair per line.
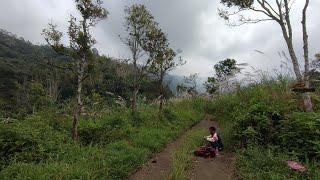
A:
(189, 85)
(80, 46)
(138, 23)
(8, 88)
(278, 11)
(224, 70)
(211, 85)
(162, 58)
(37, 96)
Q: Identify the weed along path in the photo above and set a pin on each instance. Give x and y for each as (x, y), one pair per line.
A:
(160, 166)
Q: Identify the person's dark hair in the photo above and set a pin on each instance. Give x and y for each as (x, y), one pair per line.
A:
(212, 128)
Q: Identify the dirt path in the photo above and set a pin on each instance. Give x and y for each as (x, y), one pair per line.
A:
(219, 168)
(159, 166)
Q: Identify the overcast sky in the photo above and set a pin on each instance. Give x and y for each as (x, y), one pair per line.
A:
(191, 25)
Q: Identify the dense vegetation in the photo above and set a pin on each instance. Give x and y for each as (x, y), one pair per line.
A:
(32, 79)
(113, 145)
(265, 124)
(36, 98)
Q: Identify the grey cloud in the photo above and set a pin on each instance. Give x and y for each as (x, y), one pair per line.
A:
(191, 25)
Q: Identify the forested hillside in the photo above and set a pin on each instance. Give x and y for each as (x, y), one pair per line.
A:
(35, 77)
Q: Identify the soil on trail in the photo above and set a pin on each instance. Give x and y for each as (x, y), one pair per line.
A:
(158, 167)
(218, 168)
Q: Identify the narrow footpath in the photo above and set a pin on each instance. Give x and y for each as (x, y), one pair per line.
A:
(158, 168)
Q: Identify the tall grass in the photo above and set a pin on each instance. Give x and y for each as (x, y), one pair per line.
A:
(260, 120)
(111, 146)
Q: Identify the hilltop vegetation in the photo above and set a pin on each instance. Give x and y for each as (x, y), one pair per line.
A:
(32, 80)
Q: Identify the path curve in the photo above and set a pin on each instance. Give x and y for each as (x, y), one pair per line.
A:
(158, 167)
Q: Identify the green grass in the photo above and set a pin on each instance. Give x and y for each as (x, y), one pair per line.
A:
(264, 163)
(264, 117)
(110, 147)
(182, 157)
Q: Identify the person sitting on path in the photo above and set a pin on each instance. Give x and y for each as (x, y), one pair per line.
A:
(214, 140)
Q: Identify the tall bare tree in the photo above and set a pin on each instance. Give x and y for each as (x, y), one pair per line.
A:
(80, 47)
(278, 11)
(138, 23)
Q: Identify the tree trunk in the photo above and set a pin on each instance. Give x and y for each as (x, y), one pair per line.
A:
(306, 97)
(305, 43)
(307, 102)
(161, 92)
(78, 108)
(287, 33)
(134, 100)
(135, 78)
(292, 53)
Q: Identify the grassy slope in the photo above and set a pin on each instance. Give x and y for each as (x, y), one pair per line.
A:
(261, 161)
(111, 147)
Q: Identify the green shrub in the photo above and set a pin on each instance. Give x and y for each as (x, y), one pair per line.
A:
(262, 163)
(169, 115)
(27, 141)
(104, 132)
(265, 163)
(262, 115)
(12, 144)
(300, 135)
(256, 124)
(111, 146)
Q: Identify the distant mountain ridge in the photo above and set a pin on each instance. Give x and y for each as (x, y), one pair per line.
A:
(13, 47)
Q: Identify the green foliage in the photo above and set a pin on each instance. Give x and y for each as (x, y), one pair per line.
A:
(265, 121)
(111, 146)
(211, 85)
(12, 143)
(300, 135)
(29, 83)
(238, 3)
(72, 162)
(12, 46)
(226, 68)
(100, 135)
(170, 115)
(256, 124)
(261, 163)
(26, 141)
